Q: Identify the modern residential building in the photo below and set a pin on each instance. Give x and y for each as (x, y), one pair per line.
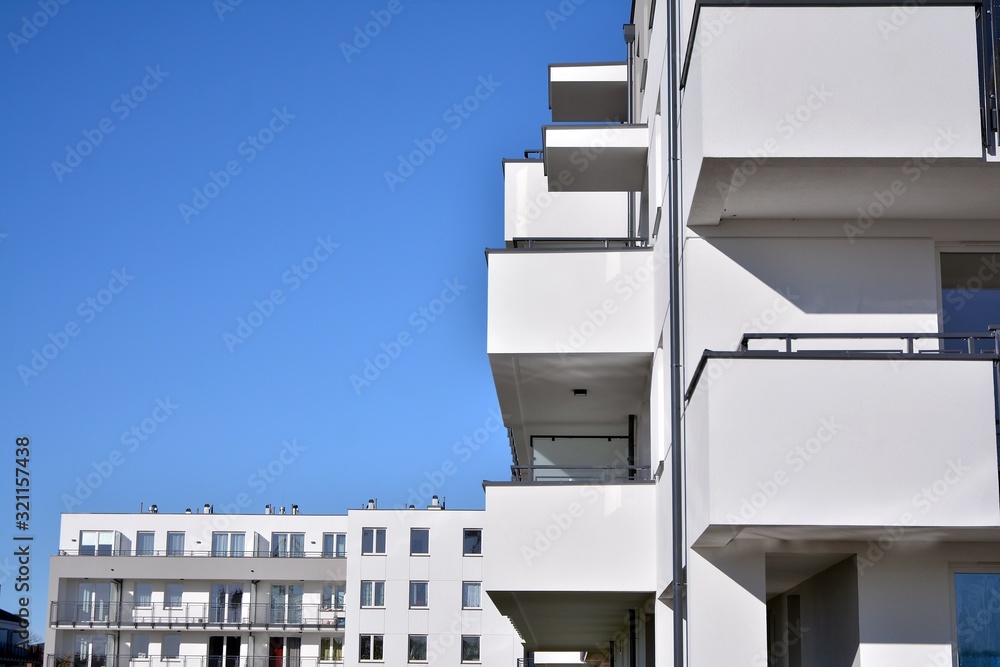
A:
(279, 589)
(740, 335)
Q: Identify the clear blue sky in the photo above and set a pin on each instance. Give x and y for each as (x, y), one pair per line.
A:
(126, 281)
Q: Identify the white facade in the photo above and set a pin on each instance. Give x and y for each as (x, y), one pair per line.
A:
(837, 199)
(273, 590)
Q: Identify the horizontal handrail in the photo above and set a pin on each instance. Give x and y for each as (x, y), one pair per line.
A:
(266, 614)
(200, 553)
(613, 473)
(529, 242)
(184, 660)
(742, 351)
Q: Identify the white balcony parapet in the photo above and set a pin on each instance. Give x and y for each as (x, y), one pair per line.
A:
(813, 446)
(822, 113)
(595, 158)
(588, 92)
(532, 211)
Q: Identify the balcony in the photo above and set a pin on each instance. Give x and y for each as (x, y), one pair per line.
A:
(546, 542)
(536, 217)
(838, 112)
(196, 615)
(595, 158)
(817, 443)
(570, 341)
(588, 92)
(78, 660)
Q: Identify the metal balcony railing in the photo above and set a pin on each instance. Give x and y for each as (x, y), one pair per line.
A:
(614, 474)
(78, 660)
(249, 553)
(263, 615)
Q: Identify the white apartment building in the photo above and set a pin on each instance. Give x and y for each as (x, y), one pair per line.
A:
(740, 336)
(279, 589)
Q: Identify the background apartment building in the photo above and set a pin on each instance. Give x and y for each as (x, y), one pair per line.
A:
(280, 589)
(740, 334)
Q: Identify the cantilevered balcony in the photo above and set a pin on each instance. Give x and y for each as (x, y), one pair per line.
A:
(536, 217)
(595, 158)
(826, 444)
(857, 112)
(568, 562)
(570, 338)
(195, 615)
(588, 92)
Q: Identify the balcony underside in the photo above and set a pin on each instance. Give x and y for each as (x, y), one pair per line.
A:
(595, 158)
(537, 389)
(856, 189)
(717, 536)
(567, 621)
(591, 92)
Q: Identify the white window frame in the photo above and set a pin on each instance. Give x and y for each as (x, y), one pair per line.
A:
(426, 587)
(370, 641)
(376, 594)
(478, 585)
(374, 547)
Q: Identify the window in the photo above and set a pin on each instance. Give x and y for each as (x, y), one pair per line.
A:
(94, 601)
(334, 545)
(418, 593)
(286, 603)
(373, 541)
(417, 650)
(472, 595)
(288, 545)
(333, 597)
(174, 594)
(472, 542)
(175, 544)
(372, 593)
(144, 543)
(371, 647)
(970, 296)
(140, 646)
(331, 649)
(97, 542)
(226, 603)
(977, 600)
(470, 648)
(228, 544)
(420, 539)
(171, 646)
(143, 595)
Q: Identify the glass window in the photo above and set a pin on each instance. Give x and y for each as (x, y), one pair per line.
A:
(97, 542)
(173, 595)
(472, 542)
(144, 543)
(143, 594)
(420, 541)
(372, 593)
(471, 595)
(171, 646)
(286, 603)
(331, 649)
(418, 593)
(970, 296)
(175, 544)
(288, 545)
(373, 541)
(334, 545)
(140, 646)
(470, 648)
(977, 615)
(417, 650)
(228, 544)
(371, 647)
